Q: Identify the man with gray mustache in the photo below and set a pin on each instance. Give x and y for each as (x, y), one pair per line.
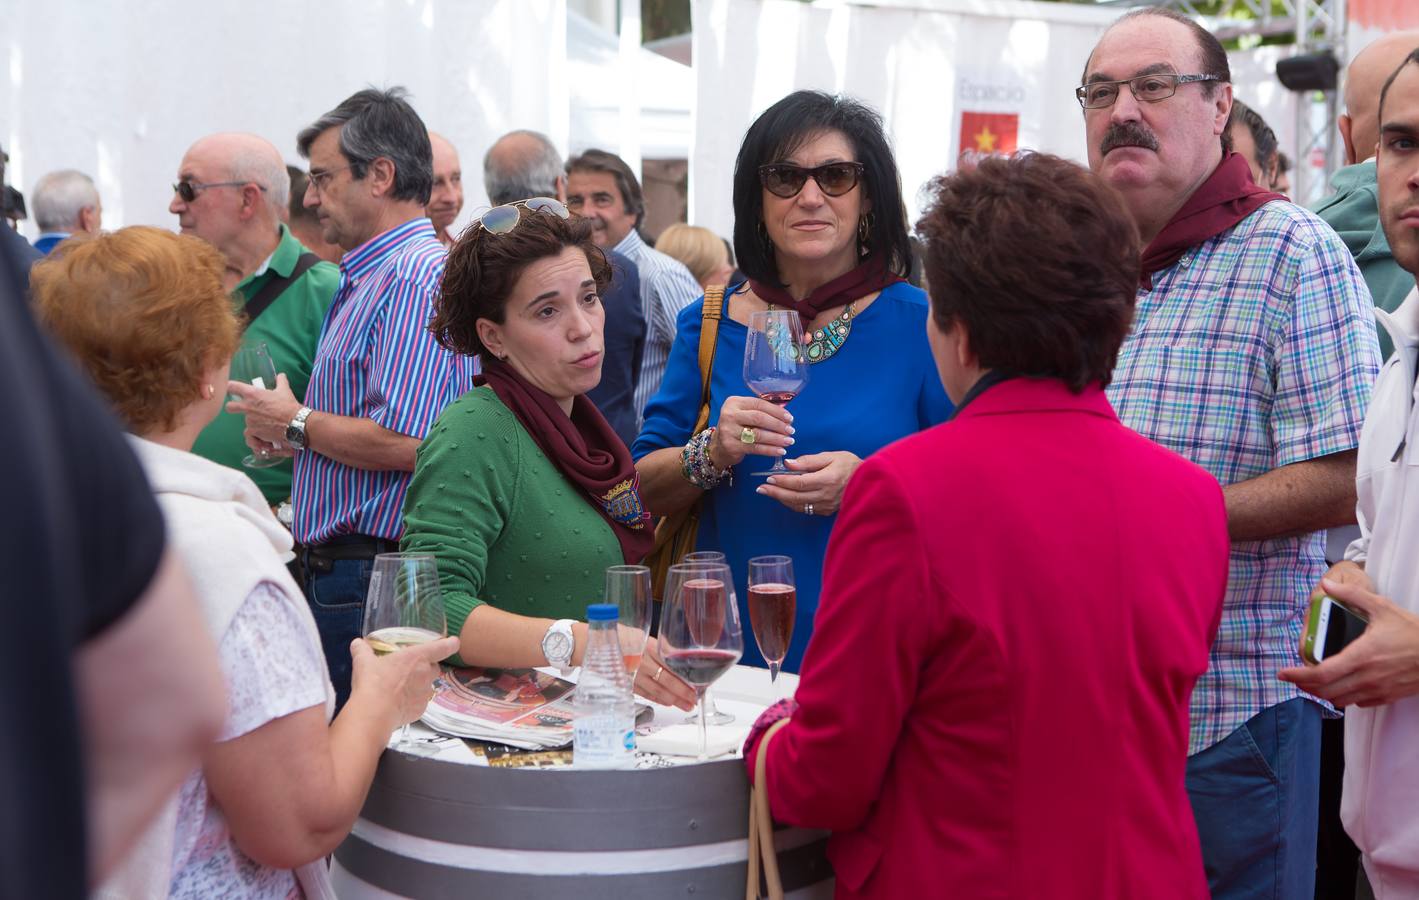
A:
(1252, 354)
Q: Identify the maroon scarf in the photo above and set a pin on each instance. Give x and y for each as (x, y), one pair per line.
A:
(584, 448)
(870, 275)
(1227, 196)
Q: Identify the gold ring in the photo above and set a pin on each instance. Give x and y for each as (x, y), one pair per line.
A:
(748, 435)
(656, 676)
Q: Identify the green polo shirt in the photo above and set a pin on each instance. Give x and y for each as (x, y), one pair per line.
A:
(290, 328)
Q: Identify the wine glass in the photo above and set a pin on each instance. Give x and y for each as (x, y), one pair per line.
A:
(629, 588)
(404, 608)
(716, 715)
(253, 365)
(775, 366)
(772, 596)
(700, 635)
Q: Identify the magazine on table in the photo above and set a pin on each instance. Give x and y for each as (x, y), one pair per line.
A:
(518, 707)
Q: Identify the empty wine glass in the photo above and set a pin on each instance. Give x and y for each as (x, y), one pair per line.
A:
(629, 588)
(253, 366)
(404, 608)
(716, 715)
(775, 366)
(772, 598)
(700, 635)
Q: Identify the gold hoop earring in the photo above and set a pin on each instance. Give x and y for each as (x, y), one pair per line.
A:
(864, 229)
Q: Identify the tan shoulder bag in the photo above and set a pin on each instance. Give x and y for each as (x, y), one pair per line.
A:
(761, 827)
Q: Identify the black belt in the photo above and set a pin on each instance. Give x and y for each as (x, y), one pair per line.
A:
(351, 546)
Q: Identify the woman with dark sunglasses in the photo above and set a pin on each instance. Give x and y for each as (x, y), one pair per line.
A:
(522, 489)
(820, 228)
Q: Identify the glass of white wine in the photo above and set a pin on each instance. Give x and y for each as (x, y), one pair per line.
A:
(404, 608)
(253, 366)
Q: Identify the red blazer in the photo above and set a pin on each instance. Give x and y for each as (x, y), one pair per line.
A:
(994, 702)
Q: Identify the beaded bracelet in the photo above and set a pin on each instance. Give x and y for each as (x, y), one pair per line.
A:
(696, 465)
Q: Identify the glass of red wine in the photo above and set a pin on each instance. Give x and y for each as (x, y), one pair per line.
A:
(716, 715)
(700, 635)
(772, 597)
(775, 365)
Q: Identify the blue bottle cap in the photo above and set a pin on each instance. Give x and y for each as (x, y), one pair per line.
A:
(602, 612)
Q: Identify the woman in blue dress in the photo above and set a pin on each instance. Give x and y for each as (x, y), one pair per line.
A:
(820, 228)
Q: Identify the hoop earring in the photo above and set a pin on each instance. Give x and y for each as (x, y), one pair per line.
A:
(864, 228)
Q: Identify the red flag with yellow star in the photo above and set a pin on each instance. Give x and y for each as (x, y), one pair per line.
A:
(989, 134)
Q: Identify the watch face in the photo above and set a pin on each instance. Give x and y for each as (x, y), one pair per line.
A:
(295, 437)
(557, 646)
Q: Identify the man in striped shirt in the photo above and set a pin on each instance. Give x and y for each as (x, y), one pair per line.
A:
(379, 380)
(1252, 354)
(603, 188)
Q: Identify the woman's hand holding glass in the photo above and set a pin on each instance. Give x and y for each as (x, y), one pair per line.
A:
(658, 684)
(750, 426)
(817, 485)
(406, 677)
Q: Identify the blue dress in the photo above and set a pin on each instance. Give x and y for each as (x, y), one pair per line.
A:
(881, 385)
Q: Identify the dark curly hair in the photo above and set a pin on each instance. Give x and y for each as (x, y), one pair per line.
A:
(483, 268)
(1038, 259)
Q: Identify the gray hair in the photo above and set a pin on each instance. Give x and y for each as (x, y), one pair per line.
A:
(60, 196)
(380, 124)
(265, 169)
(530, 174)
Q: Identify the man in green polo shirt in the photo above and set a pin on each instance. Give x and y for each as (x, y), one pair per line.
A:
(231, 191)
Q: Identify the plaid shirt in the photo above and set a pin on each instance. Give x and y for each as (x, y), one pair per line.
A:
(1256, 350)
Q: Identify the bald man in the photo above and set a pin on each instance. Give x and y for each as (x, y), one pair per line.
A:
(1352, 210)
(446, 199)
(231, 191)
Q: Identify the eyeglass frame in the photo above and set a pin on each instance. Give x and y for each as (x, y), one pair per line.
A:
(321, 180)
(1079, 92)
(194, 188)
(812, 172)
(552, 204)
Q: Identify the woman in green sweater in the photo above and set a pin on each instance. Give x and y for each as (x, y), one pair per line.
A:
(521, 489)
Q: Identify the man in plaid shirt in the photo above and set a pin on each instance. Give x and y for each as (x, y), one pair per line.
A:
(1252, 354)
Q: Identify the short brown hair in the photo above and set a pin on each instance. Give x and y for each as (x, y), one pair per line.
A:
(145, 313)
(483, 268)
(1038, 260)
(601, 161)
(702, 251)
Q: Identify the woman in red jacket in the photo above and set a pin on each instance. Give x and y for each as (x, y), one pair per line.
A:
(1016, 604)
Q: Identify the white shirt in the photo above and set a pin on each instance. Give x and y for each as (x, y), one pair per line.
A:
(1380, 804)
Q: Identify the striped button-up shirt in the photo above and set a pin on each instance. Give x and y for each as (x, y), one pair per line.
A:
(1256, 350)
(376, 360)
(666, 288)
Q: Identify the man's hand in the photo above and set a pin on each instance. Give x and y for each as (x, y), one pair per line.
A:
(1380, 667)
(267, 412)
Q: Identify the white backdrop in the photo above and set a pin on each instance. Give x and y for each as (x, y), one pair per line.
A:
(120, 90)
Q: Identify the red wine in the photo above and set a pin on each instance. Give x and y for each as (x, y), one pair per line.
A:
(771, 608)
(700, 667)
(778, 397)
(704, 600)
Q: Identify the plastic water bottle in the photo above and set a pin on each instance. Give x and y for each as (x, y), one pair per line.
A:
(603, 731)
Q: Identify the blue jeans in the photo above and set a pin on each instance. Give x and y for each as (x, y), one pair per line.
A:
(1256, 796)
(337, 599)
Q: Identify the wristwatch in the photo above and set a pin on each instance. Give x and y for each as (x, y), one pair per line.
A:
(295, 432)
(558, 644)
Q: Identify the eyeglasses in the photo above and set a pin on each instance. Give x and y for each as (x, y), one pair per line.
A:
(503, 219)
(188, 190)
(321, 180)
(786, 180)
(1147, 88)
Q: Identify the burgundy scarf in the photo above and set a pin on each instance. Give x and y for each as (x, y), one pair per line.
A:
(1227, 196)
(584, 448)
(870, 275)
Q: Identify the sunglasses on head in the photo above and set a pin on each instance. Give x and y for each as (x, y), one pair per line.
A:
(188, 190)
(786, 180)
(503, 219)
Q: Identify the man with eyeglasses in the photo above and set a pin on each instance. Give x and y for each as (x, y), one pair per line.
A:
(1252, 353)
(603, 188)
(380, 379)
(231, 191)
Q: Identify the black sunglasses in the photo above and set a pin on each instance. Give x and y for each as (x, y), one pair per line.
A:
(187, 190)
(786, 180)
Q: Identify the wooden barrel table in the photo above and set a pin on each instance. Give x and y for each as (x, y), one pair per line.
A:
(434, 828)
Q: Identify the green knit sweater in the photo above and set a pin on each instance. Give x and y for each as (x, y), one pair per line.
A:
(507, 527)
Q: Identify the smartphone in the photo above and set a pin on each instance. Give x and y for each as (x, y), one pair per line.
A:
(1330, 627)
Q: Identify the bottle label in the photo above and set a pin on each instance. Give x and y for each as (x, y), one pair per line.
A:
(603, 742)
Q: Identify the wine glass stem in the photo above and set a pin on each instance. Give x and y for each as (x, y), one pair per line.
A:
(704, 739)
(773, 672)
(403, 736)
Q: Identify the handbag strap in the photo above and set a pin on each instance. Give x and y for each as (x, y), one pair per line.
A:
(709, 340)
(276, 286)
(761, 825)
